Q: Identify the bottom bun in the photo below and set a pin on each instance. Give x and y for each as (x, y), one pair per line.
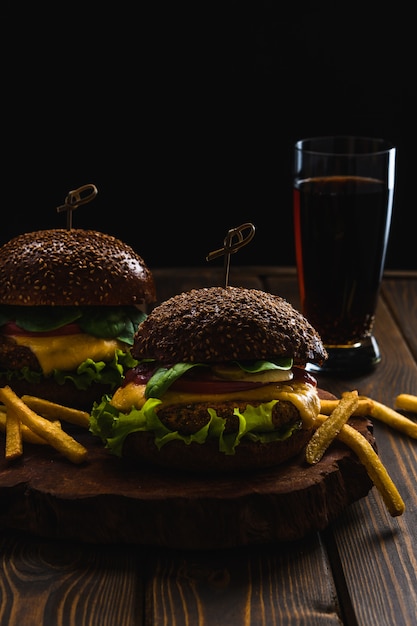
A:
(250, 455)
(66, 394)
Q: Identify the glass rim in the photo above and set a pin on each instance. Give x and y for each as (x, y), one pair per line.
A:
(381, 146)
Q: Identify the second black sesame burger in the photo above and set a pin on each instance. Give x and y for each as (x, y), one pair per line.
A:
(220, 385)
(70, 303)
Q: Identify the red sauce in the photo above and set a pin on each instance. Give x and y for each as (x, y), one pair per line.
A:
(13, 329)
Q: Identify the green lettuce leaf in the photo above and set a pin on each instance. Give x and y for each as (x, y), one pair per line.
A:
(284, 363)
(163, 378)
(40, 318)
(88, 372)
(107, 322)
(255, 423)
(114, 322)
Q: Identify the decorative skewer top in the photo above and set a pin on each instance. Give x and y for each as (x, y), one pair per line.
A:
(234, 240)
(76, 198)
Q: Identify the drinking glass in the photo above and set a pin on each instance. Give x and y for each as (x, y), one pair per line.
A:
(343, 198)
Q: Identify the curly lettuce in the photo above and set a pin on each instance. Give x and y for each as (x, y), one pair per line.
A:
(111, 373)
(255, 424)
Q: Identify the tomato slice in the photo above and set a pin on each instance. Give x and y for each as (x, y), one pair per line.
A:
(201, 380)
(13, 329)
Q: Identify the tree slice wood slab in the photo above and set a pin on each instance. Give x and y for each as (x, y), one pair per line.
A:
(107, 500)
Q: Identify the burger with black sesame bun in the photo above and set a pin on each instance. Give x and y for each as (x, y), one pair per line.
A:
(220, 384)
(70, 303)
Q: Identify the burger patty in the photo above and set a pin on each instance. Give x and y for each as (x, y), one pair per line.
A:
(189, 418)
(14, 357)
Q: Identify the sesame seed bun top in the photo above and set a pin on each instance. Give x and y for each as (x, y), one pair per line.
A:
(218, 324)
(65, 267)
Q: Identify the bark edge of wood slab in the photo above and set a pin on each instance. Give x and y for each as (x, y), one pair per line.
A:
(108, 500)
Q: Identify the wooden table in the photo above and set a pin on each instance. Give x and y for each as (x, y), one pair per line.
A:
(361, 571)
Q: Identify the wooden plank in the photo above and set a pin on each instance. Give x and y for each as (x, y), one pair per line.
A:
(49, 582)
(266, 586)
(377, 559)
(387, 550)
(400, 293)
(366, 538)
(170, 508)
(371, 566)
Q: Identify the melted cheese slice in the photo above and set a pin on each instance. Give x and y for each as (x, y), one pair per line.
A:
(302, 395)
(66, 352)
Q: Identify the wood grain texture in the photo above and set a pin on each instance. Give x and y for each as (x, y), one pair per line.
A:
(399, 293)
(46, 495)
(68, 584)
(266, 586)
(366, 538)
(382, 551)
(360, 571)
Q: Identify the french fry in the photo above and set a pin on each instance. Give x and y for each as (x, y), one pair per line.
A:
(406, 402)
(55, 436)
(394, 419)
(28, 436)
(328, 430)
(51, 410)
(14, 445)
(373, 465)
(381, 412)
(364, 406)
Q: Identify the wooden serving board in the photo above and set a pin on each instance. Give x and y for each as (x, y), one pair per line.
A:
(108, 500)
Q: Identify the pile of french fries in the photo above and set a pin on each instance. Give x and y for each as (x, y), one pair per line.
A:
(332, 423)
(37, 421)
(34, 420)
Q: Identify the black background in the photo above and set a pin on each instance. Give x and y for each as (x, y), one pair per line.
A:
(184, 117)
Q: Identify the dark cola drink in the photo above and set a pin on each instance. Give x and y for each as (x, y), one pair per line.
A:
(341, 233)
